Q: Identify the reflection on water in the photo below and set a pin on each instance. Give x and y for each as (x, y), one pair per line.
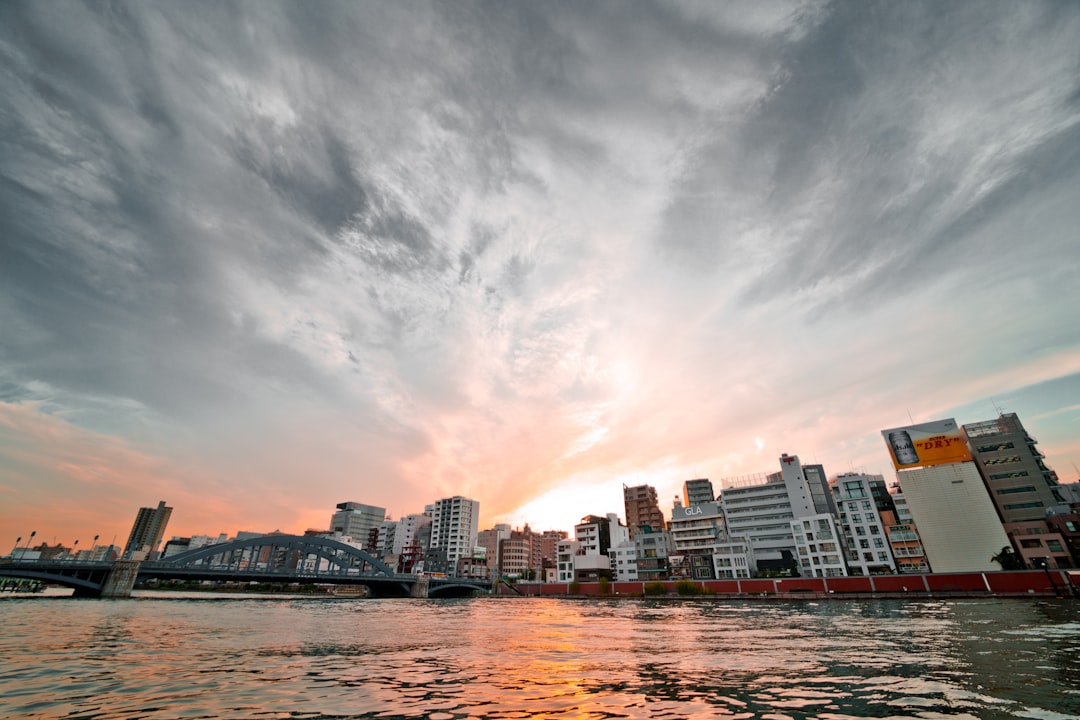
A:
(531, 658)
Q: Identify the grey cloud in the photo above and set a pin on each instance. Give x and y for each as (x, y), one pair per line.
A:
(830, 174)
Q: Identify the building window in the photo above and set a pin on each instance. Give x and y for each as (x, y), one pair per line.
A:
(1018, 489)
(1002, 460)
(1053, 546)
(995, 448)
(1031, 543)
(1004, 476)
(1023, 506)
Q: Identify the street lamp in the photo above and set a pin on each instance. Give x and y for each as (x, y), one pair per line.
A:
(27, 548)
(74, 551)
(92, 549)
(1046, 567)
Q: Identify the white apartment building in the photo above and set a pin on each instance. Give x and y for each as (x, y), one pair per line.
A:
(867, 543)
(733, 558)
(587, 556)
(695, 528)
(957, 520)
(624, 561)
(820, 545)
(763, 512)
(454, 528)
(408, 530)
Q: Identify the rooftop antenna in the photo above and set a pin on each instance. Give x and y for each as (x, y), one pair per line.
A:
(1000, 410)
(910, 418)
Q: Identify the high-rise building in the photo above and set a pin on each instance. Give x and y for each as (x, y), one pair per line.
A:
(696, 492)
(454, 528)
(958, 522)
(1020, 483)
(642, 508)
(762, 509)
(868, 548)
(146, 532)
(357, 520)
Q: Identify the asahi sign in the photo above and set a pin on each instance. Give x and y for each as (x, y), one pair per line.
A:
(934, 443)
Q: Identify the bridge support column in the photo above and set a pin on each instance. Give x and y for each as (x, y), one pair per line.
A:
(420, 587)
(121, 579)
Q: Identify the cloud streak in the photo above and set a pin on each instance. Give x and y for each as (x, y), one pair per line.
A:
(294, 254)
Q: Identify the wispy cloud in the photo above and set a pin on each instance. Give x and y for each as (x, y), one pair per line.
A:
(388, 253)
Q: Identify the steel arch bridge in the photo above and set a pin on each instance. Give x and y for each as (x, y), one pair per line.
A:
(268, 559)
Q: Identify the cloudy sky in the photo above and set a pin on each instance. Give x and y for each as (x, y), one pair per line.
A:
(257, 259)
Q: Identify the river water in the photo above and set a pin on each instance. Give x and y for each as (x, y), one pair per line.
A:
(161, 656)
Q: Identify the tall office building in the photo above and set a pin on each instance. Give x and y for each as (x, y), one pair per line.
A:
(762, 512)
(696, 492)
(147, 532)
(958, 523)
(357, 520)
(454, 528)
(642, 509)
(1020, 483)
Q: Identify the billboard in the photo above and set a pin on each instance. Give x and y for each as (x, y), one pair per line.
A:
(934, 443)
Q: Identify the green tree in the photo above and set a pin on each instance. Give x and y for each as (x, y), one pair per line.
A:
(655, 588)
(1008, 559)
(605, 586)
(687, 587)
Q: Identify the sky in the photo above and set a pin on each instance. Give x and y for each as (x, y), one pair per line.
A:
(260, 258)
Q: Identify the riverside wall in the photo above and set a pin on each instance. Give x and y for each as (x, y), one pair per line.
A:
(1018, 583)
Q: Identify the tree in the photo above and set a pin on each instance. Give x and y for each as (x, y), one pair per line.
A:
(1008, 559)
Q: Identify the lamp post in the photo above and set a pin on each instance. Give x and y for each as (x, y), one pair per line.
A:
(15, 550)
(27, 548)
(74, 551)
(92, 549)
(1046, 568)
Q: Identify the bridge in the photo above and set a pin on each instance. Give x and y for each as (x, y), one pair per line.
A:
(265, 559)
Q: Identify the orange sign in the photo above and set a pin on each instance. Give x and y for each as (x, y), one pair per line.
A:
(934, 443)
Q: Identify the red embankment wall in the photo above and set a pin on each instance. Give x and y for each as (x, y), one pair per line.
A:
(1019, 582)
(848, 584)
(800, 585)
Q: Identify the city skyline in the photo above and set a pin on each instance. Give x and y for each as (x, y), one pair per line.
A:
(260, 259)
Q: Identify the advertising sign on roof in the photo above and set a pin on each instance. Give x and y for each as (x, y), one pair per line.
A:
(934, 443)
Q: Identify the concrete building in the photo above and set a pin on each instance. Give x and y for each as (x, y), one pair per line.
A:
(1040, 545)
(820, 545)
(733, 558)
(653, 551)
(695, 528)
(146, 532)
(454, 528)
(586, 558)
(489, 540)
(357, 521)
(696, 492)
(818, 482)
(624, 560)
(867, 543)
(642, 508)
(762, 509)
(958, 523)
(904, 540)
(1022, 486)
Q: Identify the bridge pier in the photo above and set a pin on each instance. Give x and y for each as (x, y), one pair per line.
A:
(120, 580)
(420, 587)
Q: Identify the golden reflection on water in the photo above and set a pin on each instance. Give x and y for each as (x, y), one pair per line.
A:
(537, 658)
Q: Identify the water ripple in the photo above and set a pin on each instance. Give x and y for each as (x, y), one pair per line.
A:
(538, 658)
